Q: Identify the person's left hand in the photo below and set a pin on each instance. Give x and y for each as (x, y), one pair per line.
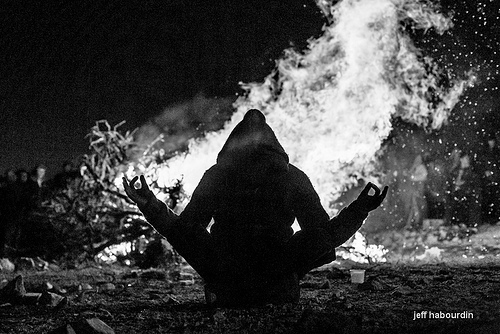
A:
(370, 202)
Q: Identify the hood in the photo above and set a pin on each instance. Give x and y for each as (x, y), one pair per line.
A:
(253, 150)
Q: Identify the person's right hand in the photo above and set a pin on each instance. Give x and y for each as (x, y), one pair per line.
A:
(141, 196)
(367, 202)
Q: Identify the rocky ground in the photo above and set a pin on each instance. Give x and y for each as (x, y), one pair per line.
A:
(431, 276)
(157, 301)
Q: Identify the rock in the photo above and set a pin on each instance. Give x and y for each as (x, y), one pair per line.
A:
(92, 326)
(6, 265)
(85, 326)
(54, 288)
(14, 291)
(50, 299)
(31, 298)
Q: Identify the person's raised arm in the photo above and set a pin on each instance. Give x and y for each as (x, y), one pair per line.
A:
(350, 219)
(156, 212)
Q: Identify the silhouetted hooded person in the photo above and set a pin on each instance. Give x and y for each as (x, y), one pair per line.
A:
(253, 194)
(253, 151)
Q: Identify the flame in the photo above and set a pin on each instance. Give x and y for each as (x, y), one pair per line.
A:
(331, 105)
(360, 251)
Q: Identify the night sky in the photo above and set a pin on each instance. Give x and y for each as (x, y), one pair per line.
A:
(67, 64)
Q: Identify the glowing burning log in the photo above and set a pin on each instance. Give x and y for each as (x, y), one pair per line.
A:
(331, 106)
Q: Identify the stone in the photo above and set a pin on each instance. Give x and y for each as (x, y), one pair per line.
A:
(85, 326)
(54, 288)
(31, 298)
(50, 299)
(92, 326)
(14, 291)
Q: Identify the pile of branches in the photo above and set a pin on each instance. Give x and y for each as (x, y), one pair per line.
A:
(93, 213)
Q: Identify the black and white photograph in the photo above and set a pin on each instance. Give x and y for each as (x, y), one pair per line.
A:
(299, 166)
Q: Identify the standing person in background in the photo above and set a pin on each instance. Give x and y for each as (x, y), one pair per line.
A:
(489, 171)
(418, 205)
(37, 185)
(465, 194)
(435, 192)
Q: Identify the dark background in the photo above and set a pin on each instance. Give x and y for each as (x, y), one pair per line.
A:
(67, 64)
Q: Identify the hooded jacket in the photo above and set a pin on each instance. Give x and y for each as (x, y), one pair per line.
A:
(254, 193)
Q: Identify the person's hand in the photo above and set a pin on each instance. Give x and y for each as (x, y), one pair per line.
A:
(141, 196)
(370, 202)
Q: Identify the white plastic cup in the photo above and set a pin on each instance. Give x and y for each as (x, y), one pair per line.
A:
(357, 276)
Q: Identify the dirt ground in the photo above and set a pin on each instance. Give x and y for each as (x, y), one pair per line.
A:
(394, 299)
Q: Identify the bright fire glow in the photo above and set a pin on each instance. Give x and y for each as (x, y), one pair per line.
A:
(362, 252)
(332, 104)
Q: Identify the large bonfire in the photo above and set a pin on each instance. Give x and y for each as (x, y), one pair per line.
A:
(331, 105)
